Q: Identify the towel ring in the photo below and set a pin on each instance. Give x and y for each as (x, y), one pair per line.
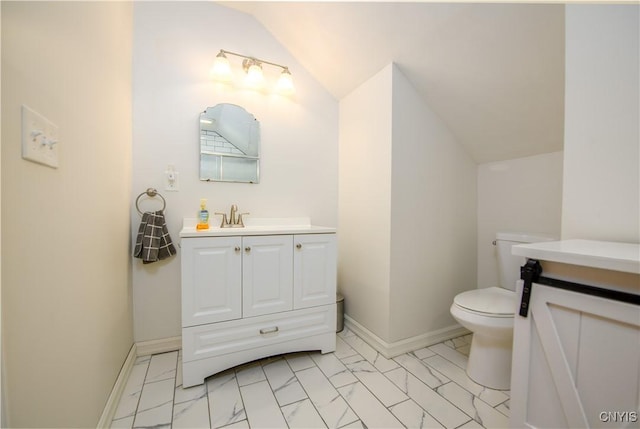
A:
(150, 192)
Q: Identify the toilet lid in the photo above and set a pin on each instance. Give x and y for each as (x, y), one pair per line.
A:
(492, 300)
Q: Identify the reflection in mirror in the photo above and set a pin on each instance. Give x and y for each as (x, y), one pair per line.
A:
(229, 145)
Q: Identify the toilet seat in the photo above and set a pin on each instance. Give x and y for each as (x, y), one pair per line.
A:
(489, 302)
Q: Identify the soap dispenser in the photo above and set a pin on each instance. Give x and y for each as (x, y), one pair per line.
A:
(203, 216)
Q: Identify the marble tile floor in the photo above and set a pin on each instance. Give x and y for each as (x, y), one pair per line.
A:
(354, 387)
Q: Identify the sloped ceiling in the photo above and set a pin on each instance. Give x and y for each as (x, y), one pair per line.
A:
(493, 72)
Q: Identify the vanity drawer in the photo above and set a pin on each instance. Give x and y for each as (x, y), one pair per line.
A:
(200, 342)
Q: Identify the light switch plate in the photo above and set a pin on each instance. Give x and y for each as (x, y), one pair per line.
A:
(171, 181)
(39, 138)
(171, 176)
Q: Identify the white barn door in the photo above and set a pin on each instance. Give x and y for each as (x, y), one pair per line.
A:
(576, 362)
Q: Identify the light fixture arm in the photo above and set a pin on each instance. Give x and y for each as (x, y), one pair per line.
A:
(252, 60)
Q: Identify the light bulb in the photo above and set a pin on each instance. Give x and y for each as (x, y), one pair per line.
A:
(285, 83)
(254, 77)
(221, 70)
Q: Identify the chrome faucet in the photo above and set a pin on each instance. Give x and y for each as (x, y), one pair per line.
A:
(232, 215)
(234, 220)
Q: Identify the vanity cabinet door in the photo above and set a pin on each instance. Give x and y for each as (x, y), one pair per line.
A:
(267, 274)
(314, 270)
(211, 280)
(575, 361)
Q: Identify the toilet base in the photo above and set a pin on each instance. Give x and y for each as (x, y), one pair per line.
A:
(490, 361)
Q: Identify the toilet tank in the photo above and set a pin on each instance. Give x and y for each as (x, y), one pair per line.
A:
(508, 264)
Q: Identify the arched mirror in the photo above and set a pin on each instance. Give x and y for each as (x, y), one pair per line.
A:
(229, 145)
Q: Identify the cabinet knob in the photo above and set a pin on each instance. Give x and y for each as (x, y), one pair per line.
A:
(298, 246)
(247, 249)
(269, 330)
(237, 248)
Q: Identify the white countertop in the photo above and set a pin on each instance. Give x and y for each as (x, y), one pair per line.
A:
(255, 226)
(606, 255)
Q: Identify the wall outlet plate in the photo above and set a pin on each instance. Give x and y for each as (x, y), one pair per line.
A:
(39, 138)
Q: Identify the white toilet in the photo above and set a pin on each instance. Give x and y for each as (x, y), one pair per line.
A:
(489, 312)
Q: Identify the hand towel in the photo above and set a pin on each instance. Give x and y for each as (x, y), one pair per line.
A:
(153, 242)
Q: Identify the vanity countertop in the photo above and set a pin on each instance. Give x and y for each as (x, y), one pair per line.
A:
(624, 257)
(256, 226)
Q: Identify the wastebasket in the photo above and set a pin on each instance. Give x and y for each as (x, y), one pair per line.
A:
(339, 312)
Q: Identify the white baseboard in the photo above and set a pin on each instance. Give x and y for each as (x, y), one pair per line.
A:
(146, 348)
(391, 350)
(116, 393)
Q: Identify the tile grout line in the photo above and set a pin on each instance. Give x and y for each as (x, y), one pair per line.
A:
(307, 393)
(373, 394)
(409, 398)
(471, 419)
(206, 389)
(508, 397)
(473, 396)
(173, 394)
(135, 415)
(244, 407)
(273, 392)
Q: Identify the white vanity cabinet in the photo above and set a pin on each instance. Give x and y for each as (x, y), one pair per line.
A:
(255, 292)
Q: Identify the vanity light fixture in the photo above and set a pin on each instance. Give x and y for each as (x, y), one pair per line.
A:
(285, 82)
(221, 71)
(254, 78)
